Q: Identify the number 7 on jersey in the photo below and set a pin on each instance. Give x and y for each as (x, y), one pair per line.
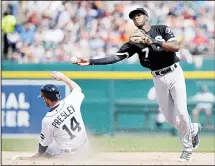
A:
(146, 50)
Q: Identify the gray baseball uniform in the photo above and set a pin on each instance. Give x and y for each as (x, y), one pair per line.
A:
(168, 80)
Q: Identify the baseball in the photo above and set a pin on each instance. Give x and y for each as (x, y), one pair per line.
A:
(74, 59)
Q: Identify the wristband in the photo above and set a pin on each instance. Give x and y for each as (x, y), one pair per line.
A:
(159, 43)
(156, 42)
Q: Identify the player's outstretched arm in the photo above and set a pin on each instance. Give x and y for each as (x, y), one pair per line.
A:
(61, 77)
(102, 61)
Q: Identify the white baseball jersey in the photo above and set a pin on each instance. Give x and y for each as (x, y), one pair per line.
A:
(63, 127)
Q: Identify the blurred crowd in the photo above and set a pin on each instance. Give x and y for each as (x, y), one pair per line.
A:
(53, 31)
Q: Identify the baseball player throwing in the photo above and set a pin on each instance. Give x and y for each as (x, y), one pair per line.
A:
(63, 132)
(156, 47)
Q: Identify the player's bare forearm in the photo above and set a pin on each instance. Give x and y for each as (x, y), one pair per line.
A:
(170, 46)
(71, 83)
(107, 60)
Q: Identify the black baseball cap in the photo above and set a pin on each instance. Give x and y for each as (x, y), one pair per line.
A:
(138, 10)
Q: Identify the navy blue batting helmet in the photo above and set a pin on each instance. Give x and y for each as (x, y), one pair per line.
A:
(50, 91)
(138, 10)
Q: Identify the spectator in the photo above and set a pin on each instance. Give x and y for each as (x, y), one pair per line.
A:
(60, 54)
(27, 33)
(199, 42)
(8, 26)
(37, 51)
(13, 7)
(106, 25)
(205, 101)
(33, 19)
(184, 54)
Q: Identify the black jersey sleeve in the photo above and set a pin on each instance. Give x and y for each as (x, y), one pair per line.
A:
(126, 51)
(108, 60)
(168, 34)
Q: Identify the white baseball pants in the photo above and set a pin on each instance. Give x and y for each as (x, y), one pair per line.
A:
(172, 99)
(53, 150)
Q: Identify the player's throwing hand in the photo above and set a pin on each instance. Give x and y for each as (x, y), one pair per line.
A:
(83, 62)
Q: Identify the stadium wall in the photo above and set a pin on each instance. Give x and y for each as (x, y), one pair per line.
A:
(103, 86)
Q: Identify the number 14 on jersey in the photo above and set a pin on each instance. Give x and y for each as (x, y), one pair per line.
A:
(74, 125)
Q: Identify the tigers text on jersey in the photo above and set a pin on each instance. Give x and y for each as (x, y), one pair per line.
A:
(63, 124)
(152, 57)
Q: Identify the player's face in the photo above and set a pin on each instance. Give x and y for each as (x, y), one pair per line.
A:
(139, 19)
(46, 101)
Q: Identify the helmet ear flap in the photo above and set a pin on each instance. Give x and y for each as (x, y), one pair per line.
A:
(42, 94)
(58, 96)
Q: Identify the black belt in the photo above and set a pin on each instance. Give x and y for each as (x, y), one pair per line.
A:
(165, 70)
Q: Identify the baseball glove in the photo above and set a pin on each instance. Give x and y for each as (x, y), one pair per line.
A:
(138, 36)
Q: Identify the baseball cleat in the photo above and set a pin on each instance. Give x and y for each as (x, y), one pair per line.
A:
(185, 156)
(195, 139)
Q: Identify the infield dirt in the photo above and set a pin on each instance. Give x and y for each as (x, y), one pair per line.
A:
(116, 158)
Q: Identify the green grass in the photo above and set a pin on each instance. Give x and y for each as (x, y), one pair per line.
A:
(120, 144)
(22, 144)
